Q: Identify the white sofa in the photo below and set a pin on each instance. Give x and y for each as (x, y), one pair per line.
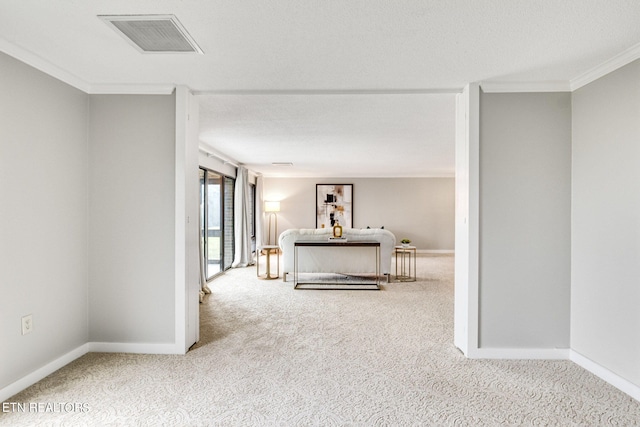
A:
(328, 260)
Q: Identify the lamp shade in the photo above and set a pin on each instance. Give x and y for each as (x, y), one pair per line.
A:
(272, 206)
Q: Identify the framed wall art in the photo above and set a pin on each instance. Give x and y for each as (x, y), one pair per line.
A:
(334, 204)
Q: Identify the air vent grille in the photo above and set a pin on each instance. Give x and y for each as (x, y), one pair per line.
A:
(153, 33)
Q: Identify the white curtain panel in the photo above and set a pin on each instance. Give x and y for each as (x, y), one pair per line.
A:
(260, 238)
(204, 287)
(242, 232)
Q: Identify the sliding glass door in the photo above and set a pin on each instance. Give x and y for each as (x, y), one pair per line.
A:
(216, 221)
(227, 259)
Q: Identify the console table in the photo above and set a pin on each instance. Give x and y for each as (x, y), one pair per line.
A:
(339, 246)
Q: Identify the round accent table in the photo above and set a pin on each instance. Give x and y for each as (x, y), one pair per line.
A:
(405, 256)
(268, 251)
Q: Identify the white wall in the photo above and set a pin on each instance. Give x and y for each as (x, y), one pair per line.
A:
(43, 218)
(525, 214)
(132, 219)
(605, 315)
(421, 209)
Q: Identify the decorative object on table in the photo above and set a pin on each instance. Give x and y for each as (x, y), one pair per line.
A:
(334, 204)
(337, 230)
(271, 208)
(405, 242)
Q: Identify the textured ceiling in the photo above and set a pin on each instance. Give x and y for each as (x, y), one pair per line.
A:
(334, 135)
(288, 78)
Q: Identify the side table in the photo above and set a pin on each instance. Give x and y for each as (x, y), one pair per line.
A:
(404, 255)
(268, 251)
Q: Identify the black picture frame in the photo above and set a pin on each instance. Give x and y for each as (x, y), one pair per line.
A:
(334, 203)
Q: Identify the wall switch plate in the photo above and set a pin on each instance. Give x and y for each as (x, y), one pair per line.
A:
(27, 324)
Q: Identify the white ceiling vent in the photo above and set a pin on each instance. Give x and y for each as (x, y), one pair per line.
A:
(153, 33)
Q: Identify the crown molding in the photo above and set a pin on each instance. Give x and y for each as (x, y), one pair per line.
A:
(516, 87)
(131, 89)
(48, 68)
(606, 67)
(330, 91)
(43, 65)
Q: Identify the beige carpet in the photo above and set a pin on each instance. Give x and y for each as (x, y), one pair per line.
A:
(274, 356)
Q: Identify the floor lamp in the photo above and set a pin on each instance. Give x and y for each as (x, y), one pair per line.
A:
(271, 208)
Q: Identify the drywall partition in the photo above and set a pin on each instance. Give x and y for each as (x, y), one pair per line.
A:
(525, 214)
(132, 222)
(187, 231)
(421, 209)
(43, 223)
(605, 265)
(466, 220)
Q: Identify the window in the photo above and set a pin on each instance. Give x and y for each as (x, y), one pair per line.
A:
(216, 221)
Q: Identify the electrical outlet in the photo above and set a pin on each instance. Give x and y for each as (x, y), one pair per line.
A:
(27, 324)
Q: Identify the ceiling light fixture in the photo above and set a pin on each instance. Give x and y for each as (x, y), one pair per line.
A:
(153, 33)
(282, 164)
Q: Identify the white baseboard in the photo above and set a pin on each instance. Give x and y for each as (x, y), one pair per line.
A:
(91, 347)
(435, 251)
(138, 348)
(37, 375)
(600, 371)
(559, 354)
(520, 353)
(482, 353)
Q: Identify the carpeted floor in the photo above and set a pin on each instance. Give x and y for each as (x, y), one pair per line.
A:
(274, 356)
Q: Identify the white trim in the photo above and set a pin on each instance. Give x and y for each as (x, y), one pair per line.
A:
(43, 65)
(605, 374)
(37, 375)
(520, 353)
(467, 219)
(520, 87)
(304, 175)
(126, 89)
(180, 259)
(473, 176)
(435, 251)
(620, 60)
(91, 347)
(48, 68)
(461, 271)
(133, 347)
(606, 67)
(416, 91)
